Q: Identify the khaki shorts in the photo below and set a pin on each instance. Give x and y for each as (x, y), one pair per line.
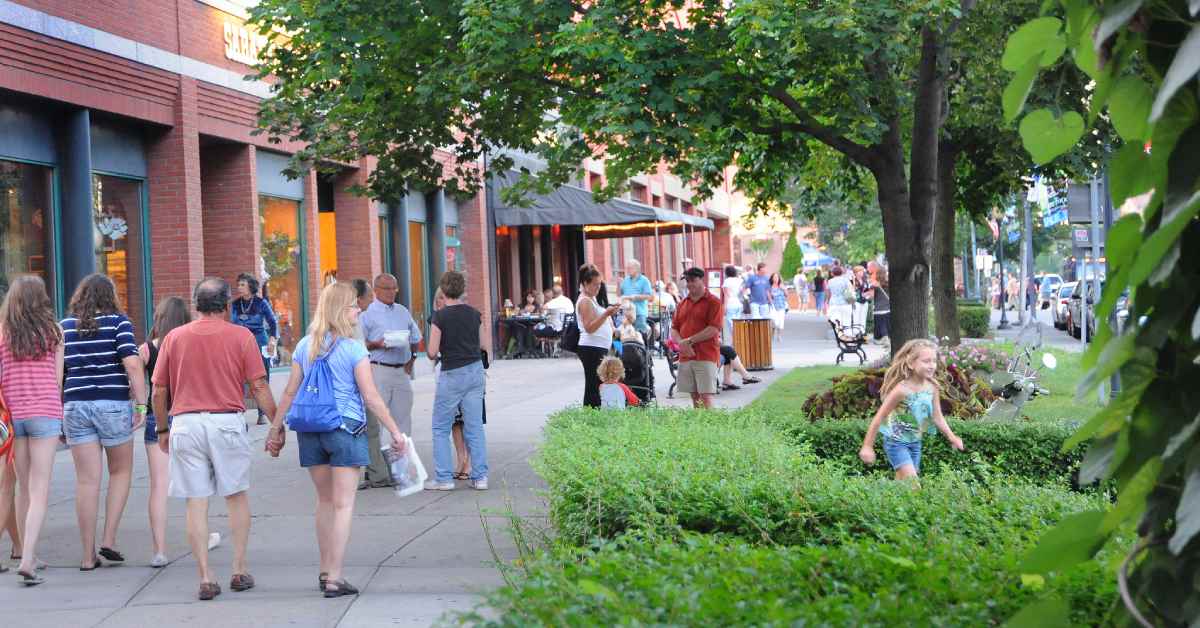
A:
(210, 455)
(697, 376)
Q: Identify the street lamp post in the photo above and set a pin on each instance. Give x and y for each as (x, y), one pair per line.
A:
(1000, 258)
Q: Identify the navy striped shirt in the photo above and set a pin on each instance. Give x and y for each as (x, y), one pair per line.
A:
(92, 363)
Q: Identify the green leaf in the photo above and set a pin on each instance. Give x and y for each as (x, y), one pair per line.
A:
(1161, 241)
(1130, 173)
(1054, 51)
(1029, 41)
(1018, 89)
(1135, 378)
(1124, 238)
(1116, 353)
(1051, 611)
(1183, 68)
(1098, 459)
(591, 587)
(1187, 515)
(1047, 137)
(1115, 19)
(901, 561)
(1033, 581)
(1181, 438)
(1075, 539)
(1129, 108)
(1131, 498)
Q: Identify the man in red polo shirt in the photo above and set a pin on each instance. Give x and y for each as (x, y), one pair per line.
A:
(696, 326)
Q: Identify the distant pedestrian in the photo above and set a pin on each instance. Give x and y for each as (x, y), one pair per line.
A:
(841, 297)
(334, 457)
(858, 280)
(31, 368)
(254, 313)
(731, 296)
(171, 312)
(819, 292)
(800, 284)
(363, 297)
(595, 332)
(101, 367)
(636, 288)
(455, 339)
(393, 338)
(758, 285)
(779, 305)
(882, 307)
(696, 328)
(201, 368)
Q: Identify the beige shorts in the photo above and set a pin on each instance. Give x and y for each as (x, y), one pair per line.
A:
(697, 376)
(210, 455)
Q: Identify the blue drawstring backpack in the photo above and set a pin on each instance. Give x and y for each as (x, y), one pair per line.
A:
(314, 409)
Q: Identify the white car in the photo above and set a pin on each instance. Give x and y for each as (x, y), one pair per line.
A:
(1059, 302)
(1049, 285)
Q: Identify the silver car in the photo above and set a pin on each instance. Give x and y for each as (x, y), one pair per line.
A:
(1059, 301)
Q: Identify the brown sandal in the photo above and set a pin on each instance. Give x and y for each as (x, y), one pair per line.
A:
(241, 582)
(209, 590)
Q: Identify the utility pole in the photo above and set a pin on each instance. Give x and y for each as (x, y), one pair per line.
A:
(1000, 259)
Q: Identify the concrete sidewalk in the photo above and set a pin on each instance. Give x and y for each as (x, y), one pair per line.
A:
(414, 558)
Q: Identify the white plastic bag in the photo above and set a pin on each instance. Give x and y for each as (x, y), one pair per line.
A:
(408, 474)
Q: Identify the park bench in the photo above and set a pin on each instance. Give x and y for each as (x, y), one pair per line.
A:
(850, 340)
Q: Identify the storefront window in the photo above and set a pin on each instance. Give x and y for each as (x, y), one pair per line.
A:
(453, 247)
(25, 223)
(117, 216)
(284, 264)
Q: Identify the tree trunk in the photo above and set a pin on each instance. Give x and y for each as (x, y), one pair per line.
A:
(945, 297)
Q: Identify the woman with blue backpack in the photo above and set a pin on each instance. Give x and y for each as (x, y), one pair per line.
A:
(323, 403)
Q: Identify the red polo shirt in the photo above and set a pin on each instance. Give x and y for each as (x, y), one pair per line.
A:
(692, 316)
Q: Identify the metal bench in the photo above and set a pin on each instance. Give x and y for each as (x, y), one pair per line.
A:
(850, 340)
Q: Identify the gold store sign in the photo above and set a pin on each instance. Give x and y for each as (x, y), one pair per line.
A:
(243, 44)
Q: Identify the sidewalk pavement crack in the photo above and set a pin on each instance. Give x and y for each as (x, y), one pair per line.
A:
(380, 565)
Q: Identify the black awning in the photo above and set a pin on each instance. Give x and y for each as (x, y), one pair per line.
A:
(572, 205)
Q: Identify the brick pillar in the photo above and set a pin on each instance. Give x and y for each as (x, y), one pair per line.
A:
(308, 215)
(357, 221)
(176, 227)
(473, 233)
(229, 192)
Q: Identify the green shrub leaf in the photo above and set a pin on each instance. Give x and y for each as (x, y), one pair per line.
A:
(1046, 137)
(1187, 516)
(1075, 539)
(1114, 19)
(1131, 498)
(1130, 172)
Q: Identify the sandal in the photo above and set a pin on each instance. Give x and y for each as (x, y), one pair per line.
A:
(461, 475)
(209, 590)
(30, 579)
(322, 578)
(341, 587)
(95, 564)
(730, 387)
(241, 582)
(112, 555)
(751, 380)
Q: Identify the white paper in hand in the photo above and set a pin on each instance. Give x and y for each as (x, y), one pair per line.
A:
(408, 474)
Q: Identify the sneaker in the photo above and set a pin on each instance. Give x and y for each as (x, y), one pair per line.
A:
(214, 539)
(434, 485)
(480, 484)
(159, 561)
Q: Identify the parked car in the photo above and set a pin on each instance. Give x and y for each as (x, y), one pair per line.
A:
(1048, 287)
(1059, 301)
(1083, 304)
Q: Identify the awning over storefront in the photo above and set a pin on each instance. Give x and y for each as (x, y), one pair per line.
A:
(615, 218)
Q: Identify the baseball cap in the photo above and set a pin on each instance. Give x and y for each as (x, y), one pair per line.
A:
(694, 271)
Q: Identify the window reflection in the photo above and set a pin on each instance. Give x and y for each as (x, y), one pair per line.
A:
(117, 222)
(25, 223)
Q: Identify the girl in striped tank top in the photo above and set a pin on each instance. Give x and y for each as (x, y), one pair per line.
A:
(31, 366)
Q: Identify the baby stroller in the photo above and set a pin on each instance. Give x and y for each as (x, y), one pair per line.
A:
(639, 370)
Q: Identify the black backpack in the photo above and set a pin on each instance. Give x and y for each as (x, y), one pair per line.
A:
(570, 334)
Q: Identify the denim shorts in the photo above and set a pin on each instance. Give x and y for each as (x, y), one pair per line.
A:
(900, 453)
(37, 427)
(150, 434)
(338, 448)
(110, 422)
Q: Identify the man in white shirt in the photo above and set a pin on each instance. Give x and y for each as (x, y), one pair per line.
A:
(558, 307)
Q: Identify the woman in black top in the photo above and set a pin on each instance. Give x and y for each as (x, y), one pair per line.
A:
(454, 338)
(171, 312)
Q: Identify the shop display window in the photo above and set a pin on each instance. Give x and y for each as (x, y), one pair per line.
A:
(117, 221)
(26, 223)
(418, 271)
(283, 261)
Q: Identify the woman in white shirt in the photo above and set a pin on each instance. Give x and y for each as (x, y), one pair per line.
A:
(841, 296)
(595, 332)
(731, 294)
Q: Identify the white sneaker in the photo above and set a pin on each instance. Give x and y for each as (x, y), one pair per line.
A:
(434, 485)
(214, 539)
(480, 484)
(159, 561)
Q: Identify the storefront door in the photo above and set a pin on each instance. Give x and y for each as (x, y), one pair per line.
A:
(27, 223)
(285, 260)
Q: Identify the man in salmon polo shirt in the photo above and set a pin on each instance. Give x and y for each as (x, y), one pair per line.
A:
(198, 383)
(696, 327)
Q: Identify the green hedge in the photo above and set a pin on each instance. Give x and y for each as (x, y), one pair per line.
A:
(701, 580)
(1027, 449)
(974, 321)
(730, 474)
